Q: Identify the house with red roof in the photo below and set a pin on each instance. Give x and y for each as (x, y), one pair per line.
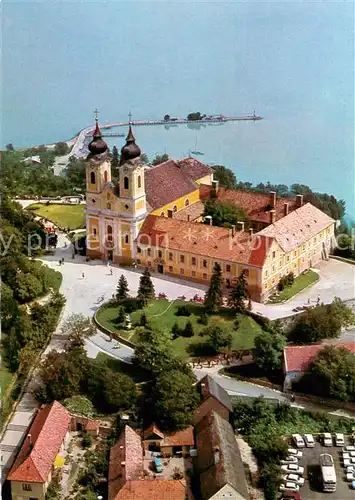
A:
(168, 444)
(297, 359)
(31, 472)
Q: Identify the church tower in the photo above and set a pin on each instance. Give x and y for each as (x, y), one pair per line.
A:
(98, 174)
(132, 194)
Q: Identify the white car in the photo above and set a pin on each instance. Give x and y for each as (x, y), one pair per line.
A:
(348, 454)
(290, 460)
(350, 468)
(339, 439)
(350, 476)
(327, 439)
(294, 453)
(290, 486)
(298, 440)
(309, 440)
(349, 448)
(294, 478)
(349, 461)
(293, 469)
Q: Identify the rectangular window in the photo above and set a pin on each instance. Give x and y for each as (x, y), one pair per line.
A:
(288, 258)
(171, 269)
(182, 271)
(193, 261)
(171, 256)
(280, 263)
(303, 248)
(182, 258)
(273, 281)
(149, 252)
(246, 272)
(295, 253)
(273, 255)
(204, 276)
(193, 273)
(204, 263)
(273, 268)
(26, 487)
(265, 286)
(266, 273)
(228, 268)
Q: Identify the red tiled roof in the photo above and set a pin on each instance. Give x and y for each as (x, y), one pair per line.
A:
(179, 438)
(190, 213)
(153, 489)
(126, 461)
(152, 429)
(200, 239)
(165, 183)
(254, 204)
(43, 441)
(92, 425)
(194, 168)
(298, 227)
(298, 358)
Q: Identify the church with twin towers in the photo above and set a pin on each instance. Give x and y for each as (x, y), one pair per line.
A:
(153, 217)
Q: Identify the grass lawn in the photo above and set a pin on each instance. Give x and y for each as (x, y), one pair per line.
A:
(161, 314)
(300, 283)
(72, 216)
(5, 379)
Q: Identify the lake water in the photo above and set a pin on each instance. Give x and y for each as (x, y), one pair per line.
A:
(293, 62)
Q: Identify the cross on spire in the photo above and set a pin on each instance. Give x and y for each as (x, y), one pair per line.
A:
(96, 112)
(129, 117)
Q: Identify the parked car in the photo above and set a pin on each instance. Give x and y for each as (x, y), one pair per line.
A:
(348, 448)
(327, 439)
(348, 454)
(294, 478)
(293, 469)
(158, 466)
(339, 439)
(309, 440)
(290, 460)
(349, 461)
(350, 468)
(298, 440)
(294, 453)
(289, 485)
(350, 476)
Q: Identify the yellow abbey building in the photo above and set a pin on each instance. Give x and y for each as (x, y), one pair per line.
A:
(152, 217)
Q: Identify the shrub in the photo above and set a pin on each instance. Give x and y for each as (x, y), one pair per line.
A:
(131, 304)
(143, 320)
(182, 311)
(188, 330)
(87, 440)
(176, 331)
(203, 319)
(121, 315)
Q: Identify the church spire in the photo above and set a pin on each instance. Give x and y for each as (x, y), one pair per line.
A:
(130, 150)
(97, 145)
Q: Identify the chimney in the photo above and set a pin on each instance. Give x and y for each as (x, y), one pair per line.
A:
(272, 199)
(299, 200)
(251, 232)
(241, 223)
(272, 216)
(170, 214)
(233, 231)
(286, 208)
(214, 191)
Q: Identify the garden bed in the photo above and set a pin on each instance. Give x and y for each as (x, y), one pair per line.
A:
(300, 283)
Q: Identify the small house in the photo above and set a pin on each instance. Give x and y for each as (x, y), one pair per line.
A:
(180, 442)
(213, 397)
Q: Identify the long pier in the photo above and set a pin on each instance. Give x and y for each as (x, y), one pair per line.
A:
(181, 121)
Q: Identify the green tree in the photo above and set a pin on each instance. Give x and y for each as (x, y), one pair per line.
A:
(224, 213)
(174, 399)
(28, 287)
(268, 351)
(224, 176)
(154, 351)
(219, 337)
(122, 288)
(77, 327)
(239, 294)
(331, 374)
(188, 330)
(76, 174)
(160, 159)
(144, 158)
(115, 158)
(143, 320)
(146, 290)
(121, 315)
(214, 298)
(61, 149)
(118, 392)
(322, 322)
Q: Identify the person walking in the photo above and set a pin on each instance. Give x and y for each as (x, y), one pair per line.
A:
(82, 275)
(111, 272)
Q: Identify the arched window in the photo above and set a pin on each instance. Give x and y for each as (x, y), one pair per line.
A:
(105, 176)
(162, 214)
(160, 254)
(126, 183)
(92, 178)
(139, 182)
(109, 206)
(187, 203)
(174, 208)
(109, 233)
(126, 238)
(95, 232)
